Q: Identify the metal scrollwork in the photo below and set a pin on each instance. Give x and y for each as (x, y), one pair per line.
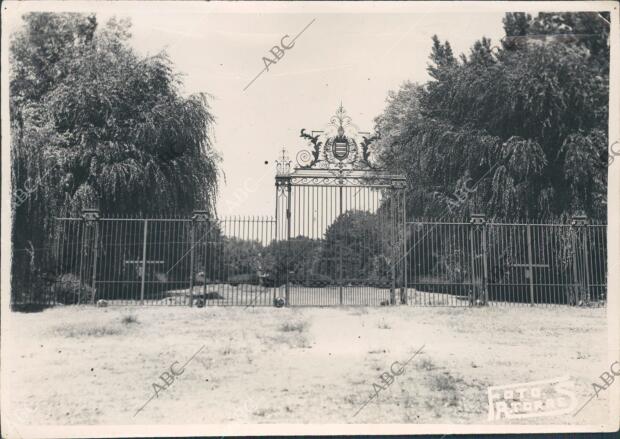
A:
(381, 181)
(337, 149)
(316, 150)
(339, 155)
(304, 159)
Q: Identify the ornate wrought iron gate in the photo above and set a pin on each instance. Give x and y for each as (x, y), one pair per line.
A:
(340, 223)
(340, 237)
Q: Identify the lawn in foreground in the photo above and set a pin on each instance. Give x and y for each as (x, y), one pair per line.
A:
(84, 365)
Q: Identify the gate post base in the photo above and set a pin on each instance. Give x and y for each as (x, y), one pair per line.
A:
(403, 296)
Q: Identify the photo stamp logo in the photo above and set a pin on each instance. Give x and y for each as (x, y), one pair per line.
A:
(529, 400)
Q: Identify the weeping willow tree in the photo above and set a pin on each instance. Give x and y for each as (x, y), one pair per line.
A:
(93, 124)
(522, 125)
(516, 130)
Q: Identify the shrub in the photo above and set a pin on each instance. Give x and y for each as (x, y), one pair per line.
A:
(377, 281)
(452, 266)
(70, 290)
(245, 278)
(317, 280)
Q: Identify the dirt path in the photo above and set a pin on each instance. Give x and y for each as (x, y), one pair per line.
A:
(307, 365)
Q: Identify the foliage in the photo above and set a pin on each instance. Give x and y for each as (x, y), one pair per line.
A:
(354, 242)
(526, 123)
(244, 278)
(240, 257)
(70, 290)
(299, 257)
(100, 126)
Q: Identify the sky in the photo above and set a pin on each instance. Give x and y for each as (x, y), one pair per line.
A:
(353, 58)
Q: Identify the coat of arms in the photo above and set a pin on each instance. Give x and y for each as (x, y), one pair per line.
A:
(336, 147)
(340, 146)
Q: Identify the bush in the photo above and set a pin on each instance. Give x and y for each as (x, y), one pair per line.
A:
(317, 280)
(270, 281)
(200, 278)
(245, 278)
(69, 290)
(452, 266)
(379, 282)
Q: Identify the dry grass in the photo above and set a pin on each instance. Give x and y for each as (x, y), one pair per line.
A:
(92, 328)
(87, 330)
(383, 325)
(129, 319)
(445, 384)
(292, 326)
(293, 365)
(425, 364)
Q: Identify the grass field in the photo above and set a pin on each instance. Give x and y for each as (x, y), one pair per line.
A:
(86, 365)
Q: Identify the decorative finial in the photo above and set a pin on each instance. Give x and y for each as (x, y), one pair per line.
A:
(283, 164)
(340, 119)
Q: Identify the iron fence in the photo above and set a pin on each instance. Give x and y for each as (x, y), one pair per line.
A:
(479, 263)
(152, 261)
(357, 257)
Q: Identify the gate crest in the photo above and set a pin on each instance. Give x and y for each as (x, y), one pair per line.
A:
(340, 146)
(340, 155)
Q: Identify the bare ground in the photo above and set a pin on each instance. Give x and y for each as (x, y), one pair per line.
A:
(84, 365)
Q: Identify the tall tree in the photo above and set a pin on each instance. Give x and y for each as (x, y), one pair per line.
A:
(93, 124)
(524, 128)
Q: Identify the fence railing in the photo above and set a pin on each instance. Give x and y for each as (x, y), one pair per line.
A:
(239, 261)
(480, 263)
(154, 261)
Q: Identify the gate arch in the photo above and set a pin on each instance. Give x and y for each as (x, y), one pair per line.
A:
(340, 223)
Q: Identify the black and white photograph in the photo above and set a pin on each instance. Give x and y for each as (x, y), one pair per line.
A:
(261, 218)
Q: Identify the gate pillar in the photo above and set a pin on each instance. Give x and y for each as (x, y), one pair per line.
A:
(283, 221)
(582, 271)
(91, 217)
